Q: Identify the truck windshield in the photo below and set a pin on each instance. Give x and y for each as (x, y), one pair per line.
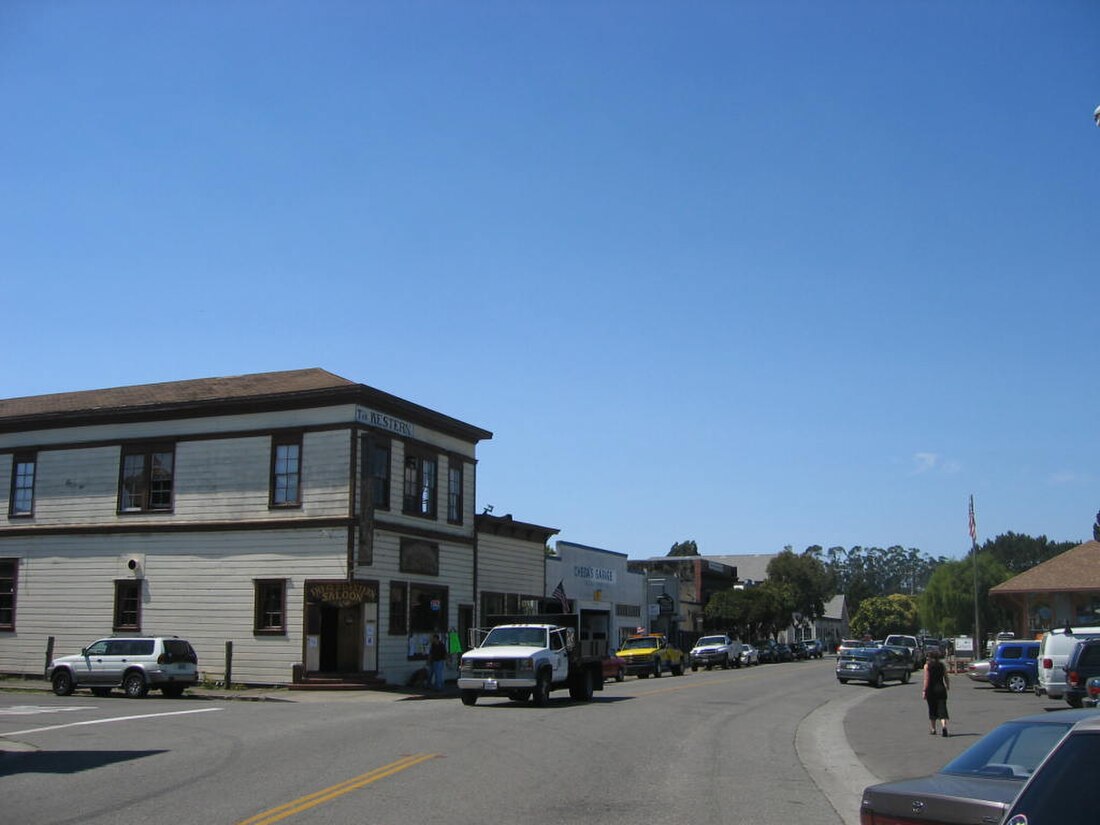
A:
(642, 643)
(522, 636)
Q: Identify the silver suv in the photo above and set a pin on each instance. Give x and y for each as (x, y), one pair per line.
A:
(134, 663)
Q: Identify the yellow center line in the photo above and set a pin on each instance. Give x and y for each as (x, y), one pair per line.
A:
(328, 794)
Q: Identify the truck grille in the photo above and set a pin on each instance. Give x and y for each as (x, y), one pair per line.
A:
(493, 669)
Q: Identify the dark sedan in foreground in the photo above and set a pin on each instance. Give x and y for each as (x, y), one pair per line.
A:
(980, 783)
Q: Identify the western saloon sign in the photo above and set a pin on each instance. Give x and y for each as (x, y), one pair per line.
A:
(342, 594)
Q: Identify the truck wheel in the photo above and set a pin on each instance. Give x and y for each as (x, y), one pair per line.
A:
(63, 683)
(580, 689)
(541, 694)
(1017, 683)
(469, 697)
(905, 678)
(656, 668)
(619, 675)
(879, 680)
(726, 663)
(694, 667)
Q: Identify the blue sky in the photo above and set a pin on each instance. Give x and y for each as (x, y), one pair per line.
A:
(753, 274)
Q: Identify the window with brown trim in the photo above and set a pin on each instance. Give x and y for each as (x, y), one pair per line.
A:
(270, 607)
(454, 490)
(22, 485)
(380, 473)
(286, 471)
(127, 605)
(145, 483)
(399, 608)
(420, 480)
(9, 576)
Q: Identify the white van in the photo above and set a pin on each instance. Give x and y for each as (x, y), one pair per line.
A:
(1054, 652)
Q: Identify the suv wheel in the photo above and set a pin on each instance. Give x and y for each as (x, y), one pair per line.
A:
(63, 683)
(1016, 682)
(133, 685)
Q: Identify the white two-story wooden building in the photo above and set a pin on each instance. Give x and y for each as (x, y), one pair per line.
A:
(316, 524)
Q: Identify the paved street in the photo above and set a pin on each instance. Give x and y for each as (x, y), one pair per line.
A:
(774, 744)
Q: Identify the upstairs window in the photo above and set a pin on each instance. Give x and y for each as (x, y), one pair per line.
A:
(286, 471)
(420, 479)
(146, 484)
(9, 572)
(380, 474)
(22, 486)
(454, 491)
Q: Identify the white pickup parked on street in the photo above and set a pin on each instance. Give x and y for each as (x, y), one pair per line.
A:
(716, 650)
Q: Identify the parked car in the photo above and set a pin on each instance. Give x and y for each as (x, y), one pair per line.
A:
(1054, 651)
(1083, 664)
(614, 667)
(980, 783)
(766, 651)
(715, 650)
(903, 640)
(133, 663)
(1014, 666)
(749, 655)
(799, 651)
(814, 648)
(783, 653)
(979, 670)
(1063, 788)
(873, 665)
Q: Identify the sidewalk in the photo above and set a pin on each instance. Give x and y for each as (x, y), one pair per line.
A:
(244, 693)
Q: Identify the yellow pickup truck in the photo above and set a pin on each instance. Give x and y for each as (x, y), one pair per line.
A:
(650, 653)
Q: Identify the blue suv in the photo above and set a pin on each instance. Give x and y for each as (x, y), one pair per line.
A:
(1015, 665)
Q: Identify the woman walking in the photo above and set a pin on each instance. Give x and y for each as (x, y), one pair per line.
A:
(936, 685)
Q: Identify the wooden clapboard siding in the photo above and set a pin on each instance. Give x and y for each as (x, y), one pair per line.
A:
(199, 587)
(507, 565)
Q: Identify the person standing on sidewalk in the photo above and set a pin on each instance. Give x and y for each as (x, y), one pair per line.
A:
(437, 657)
(936, 685)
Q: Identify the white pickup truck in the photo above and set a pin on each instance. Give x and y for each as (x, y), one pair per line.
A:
(716, 650)
(528, 660)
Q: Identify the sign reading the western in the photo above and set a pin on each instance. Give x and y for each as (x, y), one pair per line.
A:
(373, 418)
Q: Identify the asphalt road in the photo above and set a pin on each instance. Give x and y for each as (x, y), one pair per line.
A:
(783, 744)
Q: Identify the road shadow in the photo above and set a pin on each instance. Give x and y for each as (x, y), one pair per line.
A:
(65, 762)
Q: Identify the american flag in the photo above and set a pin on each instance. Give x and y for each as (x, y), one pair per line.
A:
(559, 594)
(973, 524)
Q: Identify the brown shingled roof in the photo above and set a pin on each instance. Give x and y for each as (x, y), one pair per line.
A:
(174, 392)
(1074, 570)
(290, 389)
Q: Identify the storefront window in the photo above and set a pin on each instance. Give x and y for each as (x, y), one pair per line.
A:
(427, 616)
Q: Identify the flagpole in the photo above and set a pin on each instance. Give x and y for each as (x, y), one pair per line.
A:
(979, 652)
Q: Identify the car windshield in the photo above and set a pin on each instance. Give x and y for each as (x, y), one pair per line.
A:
(639, 644)
(1011, 751)
(520, 636)
(710, 640)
